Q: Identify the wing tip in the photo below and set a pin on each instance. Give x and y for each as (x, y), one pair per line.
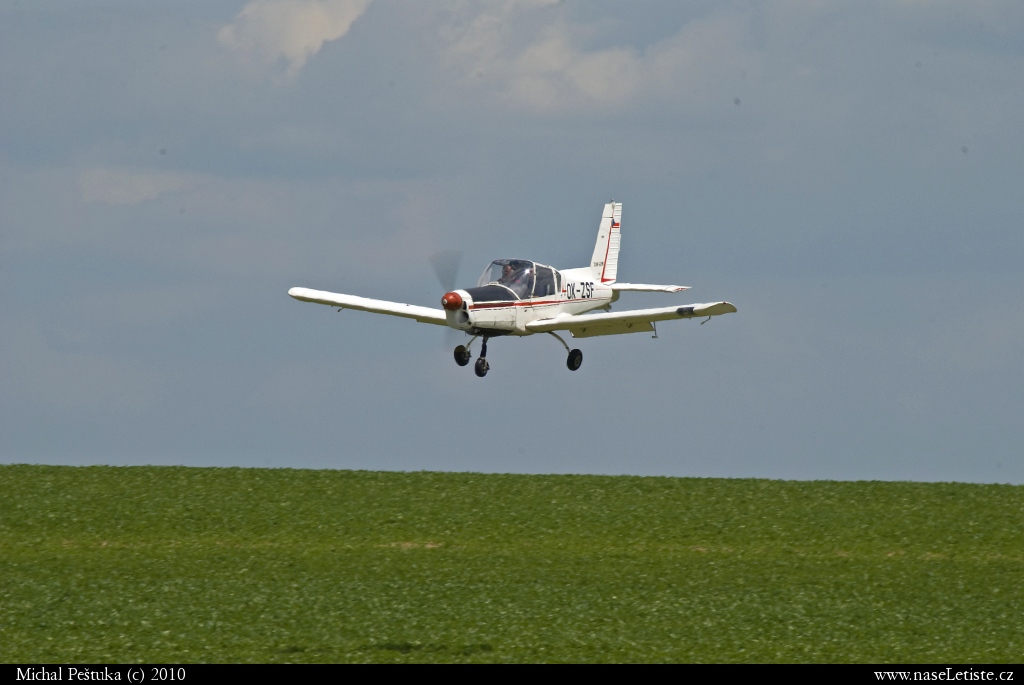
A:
(707, 309)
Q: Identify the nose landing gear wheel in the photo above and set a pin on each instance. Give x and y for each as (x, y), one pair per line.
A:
(481, 367)
(575, 360)
(462, 355)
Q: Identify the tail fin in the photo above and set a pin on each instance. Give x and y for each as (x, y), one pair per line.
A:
(605, 261)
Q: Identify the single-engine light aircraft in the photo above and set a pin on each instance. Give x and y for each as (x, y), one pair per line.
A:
(520, 297)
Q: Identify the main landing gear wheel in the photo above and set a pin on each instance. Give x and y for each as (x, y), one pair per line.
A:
(575, 360)
(481, 367)
(462, 355)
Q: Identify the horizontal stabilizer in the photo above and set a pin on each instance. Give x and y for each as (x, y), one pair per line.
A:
(408, 311)
(648, 288)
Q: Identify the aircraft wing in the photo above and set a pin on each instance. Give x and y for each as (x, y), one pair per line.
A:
(635, 321)
(408, 311)
(648, 288)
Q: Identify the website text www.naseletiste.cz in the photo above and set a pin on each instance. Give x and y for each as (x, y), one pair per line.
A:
(947, 674)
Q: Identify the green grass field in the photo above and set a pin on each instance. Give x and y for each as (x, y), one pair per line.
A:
(161, 564)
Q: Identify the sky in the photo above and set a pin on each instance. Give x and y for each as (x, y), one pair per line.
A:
(848, 174)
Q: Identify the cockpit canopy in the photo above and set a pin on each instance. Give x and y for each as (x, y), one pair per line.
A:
(524, 278)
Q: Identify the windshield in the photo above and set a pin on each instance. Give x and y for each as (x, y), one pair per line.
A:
(515, 274)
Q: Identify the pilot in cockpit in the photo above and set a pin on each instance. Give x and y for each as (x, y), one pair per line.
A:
(521, 282)
(506, 274)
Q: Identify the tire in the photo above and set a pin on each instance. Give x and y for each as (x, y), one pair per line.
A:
(481, 367)
(462, 355)
(575, 360)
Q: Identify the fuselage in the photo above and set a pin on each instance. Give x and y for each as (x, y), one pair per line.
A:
(505, 305)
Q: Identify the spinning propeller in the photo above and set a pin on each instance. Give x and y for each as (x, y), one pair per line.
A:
(446, 267)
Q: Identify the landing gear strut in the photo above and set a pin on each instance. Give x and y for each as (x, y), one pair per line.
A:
(482, 366)
(462, 356)
(575, 356)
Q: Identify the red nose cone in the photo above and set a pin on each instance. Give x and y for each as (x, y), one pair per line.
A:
(451, 301)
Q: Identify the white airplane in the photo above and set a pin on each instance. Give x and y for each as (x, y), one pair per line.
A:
(521, 297)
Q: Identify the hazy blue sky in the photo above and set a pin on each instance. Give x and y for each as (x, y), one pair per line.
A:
(849, 174)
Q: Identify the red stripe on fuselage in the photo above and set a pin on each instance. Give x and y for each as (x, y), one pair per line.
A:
(495, 305)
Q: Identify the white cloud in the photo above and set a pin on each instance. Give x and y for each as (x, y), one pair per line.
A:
(266, 32)
(116, 187)
(552, 69)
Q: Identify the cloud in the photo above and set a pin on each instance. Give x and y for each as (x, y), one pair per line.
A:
(115, 187)
(266, 32)
(535, 57)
